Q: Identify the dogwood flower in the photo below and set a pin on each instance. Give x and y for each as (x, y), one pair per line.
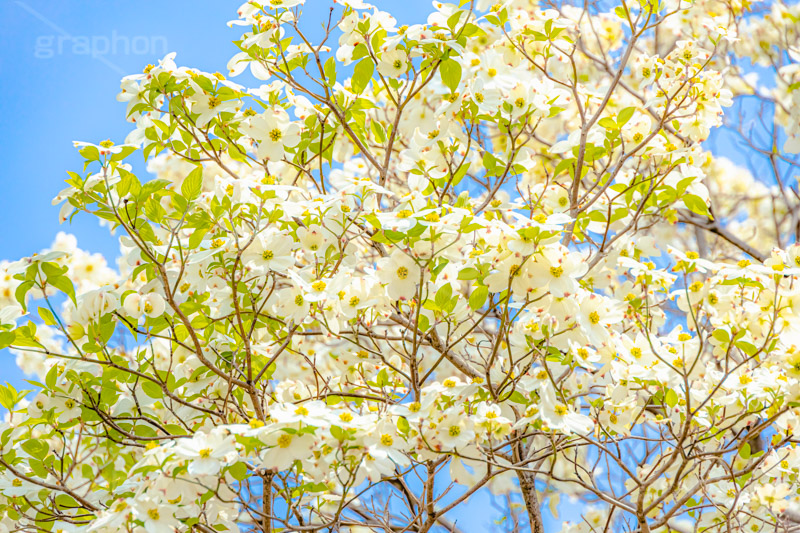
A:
(393, 64)
(274, 133)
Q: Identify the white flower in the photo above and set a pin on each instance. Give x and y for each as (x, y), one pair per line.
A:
(393, 64)
(270, 250)
(400, 274)
(562, 417)
(557, 269)
(151, 305)
(314, 239)
(208, 106)
(285, 448)
(156, 516)
(206, 452)
(274, 132)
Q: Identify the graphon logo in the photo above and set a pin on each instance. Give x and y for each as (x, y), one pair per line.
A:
(48, 46)
(98, 47)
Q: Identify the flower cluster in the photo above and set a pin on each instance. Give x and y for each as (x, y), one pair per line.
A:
(493, 255)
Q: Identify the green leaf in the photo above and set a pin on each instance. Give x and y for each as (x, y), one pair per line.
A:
(607, 123)
(624, 116)
(90, 153)
(152, 389)
(744, 451)
(7, 398)
(362, 74)
(47, 316)
(124, 152)
(443, 296)
(64, 284)
(450, 70)
(721, 335)
(238, 471)
(338, 433)
(671, 398)
(478, 297)
(35, 448)
(330, 71)
(154, 210)
(51, 377)
(152, 186)
(7, 339)
(403, 425)
(452, 21)
(695, 204)
(21, 293)
(747, 348)
(383, 378)
(563, 165)
(193, 184)
(468, 273)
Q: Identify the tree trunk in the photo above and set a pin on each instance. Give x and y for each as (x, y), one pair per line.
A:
(527, 485)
